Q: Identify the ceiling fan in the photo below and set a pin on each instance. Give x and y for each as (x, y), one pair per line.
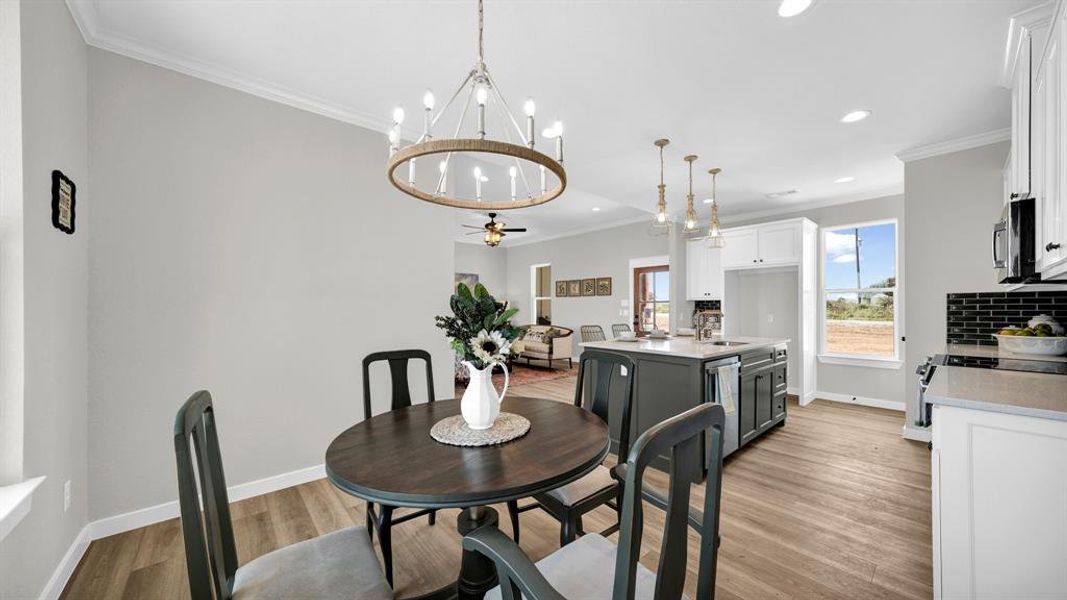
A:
(494, 232)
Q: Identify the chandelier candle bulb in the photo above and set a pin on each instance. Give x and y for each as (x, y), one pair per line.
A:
(443, 168)
(543, 186)
(512, 172)
(529, 108)
(411, 172)
(394, 141)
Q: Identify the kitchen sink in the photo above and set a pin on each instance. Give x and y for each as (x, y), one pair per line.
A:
(726, 343)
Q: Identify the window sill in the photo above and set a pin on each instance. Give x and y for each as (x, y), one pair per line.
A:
(856, 361)
(15, 503)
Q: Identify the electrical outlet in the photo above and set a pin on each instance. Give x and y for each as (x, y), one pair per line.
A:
(770, 317)
(66, 496)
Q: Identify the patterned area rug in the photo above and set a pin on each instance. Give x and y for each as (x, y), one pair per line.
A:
(521, 374)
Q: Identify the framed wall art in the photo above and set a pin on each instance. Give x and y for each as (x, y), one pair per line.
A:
(561, 288)
(589, 287)
(574, 287)
(63, 198)
(603, 286)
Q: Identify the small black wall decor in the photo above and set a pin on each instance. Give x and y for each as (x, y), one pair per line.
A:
(63, 198)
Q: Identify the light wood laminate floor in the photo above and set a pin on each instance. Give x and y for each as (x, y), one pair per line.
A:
(833, 505)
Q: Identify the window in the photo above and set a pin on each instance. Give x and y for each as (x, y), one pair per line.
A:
(541, 284)
(860, 291)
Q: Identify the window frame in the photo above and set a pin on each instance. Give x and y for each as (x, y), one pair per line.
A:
(889, 362)
(534, 298)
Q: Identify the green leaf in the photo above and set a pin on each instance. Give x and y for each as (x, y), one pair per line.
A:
(506, 316)
(463, 291)
(480, 291)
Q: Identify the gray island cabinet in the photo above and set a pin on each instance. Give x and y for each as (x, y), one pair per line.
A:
(679, 373)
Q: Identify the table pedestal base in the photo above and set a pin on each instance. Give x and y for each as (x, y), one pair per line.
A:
(477, 574)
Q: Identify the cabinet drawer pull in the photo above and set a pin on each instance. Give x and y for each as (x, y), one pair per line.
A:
(1049, 247)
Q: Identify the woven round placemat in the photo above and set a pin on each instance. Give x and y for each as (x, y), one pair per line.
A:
(455, 432)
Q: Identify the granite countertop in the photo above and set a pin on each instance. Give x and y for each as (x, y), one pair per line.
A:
(995, 352)
(1013, 392)
(688, 347)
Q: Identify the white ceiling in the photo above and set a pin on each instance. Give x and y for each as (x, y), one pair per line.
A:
(748, 91)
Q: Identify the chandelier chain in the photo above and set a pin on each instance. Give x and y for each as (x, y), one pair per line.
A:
(481, 25)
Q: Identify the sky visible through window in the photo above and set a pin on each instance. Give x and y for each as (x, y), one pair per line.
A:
(877, 256)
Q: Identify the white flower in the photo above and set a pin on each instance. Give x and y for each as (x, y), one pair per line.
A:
(490, 347)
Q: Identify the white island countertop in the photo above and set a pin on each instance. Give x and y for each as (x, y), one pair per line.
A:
(1013, 392)
(688, 347)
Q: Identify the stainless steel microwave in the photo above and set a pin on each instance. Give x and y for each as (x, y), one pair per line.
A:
(1014, 237)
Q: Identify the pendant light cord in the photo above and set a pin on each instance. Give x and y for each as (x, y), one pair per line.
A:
(481, 24)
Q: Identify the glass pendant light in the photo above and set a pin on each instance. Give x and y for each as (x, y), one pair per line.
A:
(661, 223)
(690, 213)
(714, 237)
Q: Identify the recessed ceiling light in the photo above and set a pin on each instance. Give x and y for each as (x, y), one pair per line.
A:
(708, 200)
(856, 115)
(844, 180)
(792, 8)
(596, 209)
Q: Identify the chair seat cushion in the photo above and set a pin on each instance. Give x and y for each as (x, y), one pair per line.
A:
(585, 568)
(576, 491)
(341, 564)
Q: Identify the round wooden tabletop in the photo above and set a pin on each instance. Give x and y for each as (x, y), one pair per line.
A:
(391, 458)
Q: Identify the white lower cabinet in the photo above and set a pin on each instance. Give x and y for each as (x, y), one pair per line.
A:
(704, 279)
(999, 491)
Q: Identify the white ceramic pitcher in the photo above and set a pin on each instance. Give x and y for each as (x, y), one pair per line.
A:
(481, 404)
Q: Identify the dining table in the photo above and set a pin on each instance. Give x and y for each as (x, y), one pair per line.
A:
(391, 459)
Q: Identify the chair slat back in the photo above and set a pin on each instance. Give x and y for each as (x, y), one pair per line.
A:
(592, 333)
(210, 551)
(677, 436)
(398, 372)
(620, 328)
(604, 365)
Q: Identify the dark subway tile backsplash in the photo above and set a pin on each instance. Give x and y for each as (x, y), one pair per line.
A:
(974, 317)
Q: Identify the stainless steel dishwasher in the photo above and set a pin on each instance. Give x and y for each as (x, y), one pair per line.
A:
(722, 386)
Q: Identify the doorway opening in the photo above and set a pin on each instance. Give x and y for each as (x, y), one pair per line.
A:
(651, 298)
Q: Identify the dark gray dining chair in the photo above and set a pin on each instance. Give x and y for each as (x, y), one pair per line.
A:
(594, 567)
(569, 502)
(592, 333)
(620, 328)
(380, 517)
(335, 565)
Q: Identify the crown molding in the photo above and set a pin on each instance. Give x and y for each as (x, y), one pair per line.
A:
(1020, 24)
(949, 146)
(584, 231)
(86, 18)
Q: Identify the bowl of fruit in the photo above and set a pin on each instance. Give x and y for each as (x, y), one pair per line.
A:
(1036, 338)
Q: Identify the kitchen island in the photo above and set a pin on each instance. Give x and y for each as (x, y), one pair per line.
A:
(746, 374)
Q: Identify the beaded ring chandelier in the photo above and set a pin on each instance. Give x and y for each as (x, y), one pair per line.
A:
(542, 177)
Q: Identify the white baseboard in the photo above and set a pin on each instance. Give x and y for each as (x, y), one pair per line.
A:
(66, 566)
(919, 434)
(861, 400)
(168, 510)
(105, 527)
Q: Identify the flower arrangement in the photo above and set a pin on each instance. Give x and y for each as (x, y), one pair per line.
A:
(479, 328)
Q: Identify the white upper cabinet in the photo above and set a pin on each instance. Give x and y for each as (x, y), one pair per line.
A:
(779, 243)
(764, 245)
(1020, 120)
(704, 280)
(1038, 160)
(741, 248)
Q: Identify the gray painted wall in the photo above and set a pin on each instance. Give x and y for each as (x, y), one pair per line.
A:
(770, 292)
(244, 247)
(55, 286)
(952, 202)
(603, 253)
(871, 382)
(491, 265)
